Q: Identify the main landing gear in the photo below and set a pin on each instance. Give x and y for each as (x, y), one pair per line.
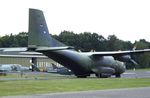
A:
(105, 75)
(118, 76)
(102, 75)
(82, 76)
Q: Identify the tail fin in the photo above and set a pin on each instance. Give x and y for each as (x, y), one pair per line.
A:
(38, 32)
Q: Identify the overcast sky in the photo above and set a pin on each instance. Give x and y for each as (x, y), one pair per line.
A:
(127, 19)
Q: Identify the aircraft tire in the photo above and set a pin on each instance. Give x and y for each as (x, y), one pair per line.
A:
(81, 76)
(118, 76)
(103, 75)
(98, 75)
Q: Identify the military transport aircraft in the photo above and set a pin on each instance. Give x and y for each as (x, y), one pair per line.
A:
(82, 64)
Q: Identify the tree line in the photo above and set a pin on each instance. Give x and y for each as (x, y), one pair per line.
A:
(86, 42)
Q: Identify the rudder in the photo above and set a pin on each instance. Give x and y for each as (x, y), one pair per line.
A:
(38, 31)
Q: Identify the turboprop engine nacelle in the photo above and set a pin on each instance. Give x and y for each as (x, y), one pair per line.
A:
(103, 70)
(126, 58)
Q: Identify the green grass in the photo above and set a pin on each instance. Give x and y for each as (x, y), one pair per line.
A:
(24, 87)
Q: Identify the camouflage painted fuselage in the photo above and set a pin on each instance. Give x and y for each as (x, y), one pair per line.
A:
(83, 64)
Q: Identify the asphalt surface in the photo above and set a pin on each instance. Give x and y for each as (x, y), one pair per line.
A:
(136, 74)
(47, 76)
(115, 93)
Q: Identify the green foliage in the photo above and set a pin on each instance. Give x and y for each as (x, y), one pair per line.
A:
(115, 44)
(86, 41)
(11, 40)
(83, 41)
(143, 60)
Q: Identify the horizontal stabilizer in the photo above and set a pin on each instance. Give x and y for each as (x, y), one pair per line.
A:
(53, 48)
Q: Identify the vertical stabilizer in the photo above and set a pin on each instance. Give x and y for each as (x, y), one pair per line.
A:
(38, 31)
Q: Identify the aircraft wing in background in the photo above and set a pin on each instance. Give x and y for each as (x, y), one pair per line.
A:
(120, 53)
(124, 56)
(19, 52)
(10, 49)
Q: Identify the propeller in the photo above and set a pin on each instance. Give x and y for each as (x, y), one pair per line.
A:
(126, 58)
(133, 62)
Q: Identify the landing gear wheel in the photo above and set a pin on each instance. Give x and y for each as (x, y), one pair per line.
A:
(81, 76)
(118, 76)
(98, 75)
(103, 75)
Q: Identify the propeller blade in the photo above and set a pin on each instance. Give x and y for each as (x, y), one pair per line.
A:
(134, 62)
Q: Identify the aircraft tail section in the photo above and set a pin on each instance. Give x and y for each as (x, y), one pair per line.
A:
(38, 31)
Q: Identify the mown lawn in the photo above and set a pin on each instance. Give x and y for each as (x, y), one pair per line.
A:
(24, 87)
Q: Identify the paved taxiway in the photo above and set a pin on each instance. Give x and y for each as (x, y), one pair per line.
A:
(143, 92)
(48, 76)
(136, 74)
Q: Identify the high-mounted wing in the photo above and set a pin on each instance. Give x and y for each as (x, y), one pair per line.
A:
(119, 53)
(124, 56)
